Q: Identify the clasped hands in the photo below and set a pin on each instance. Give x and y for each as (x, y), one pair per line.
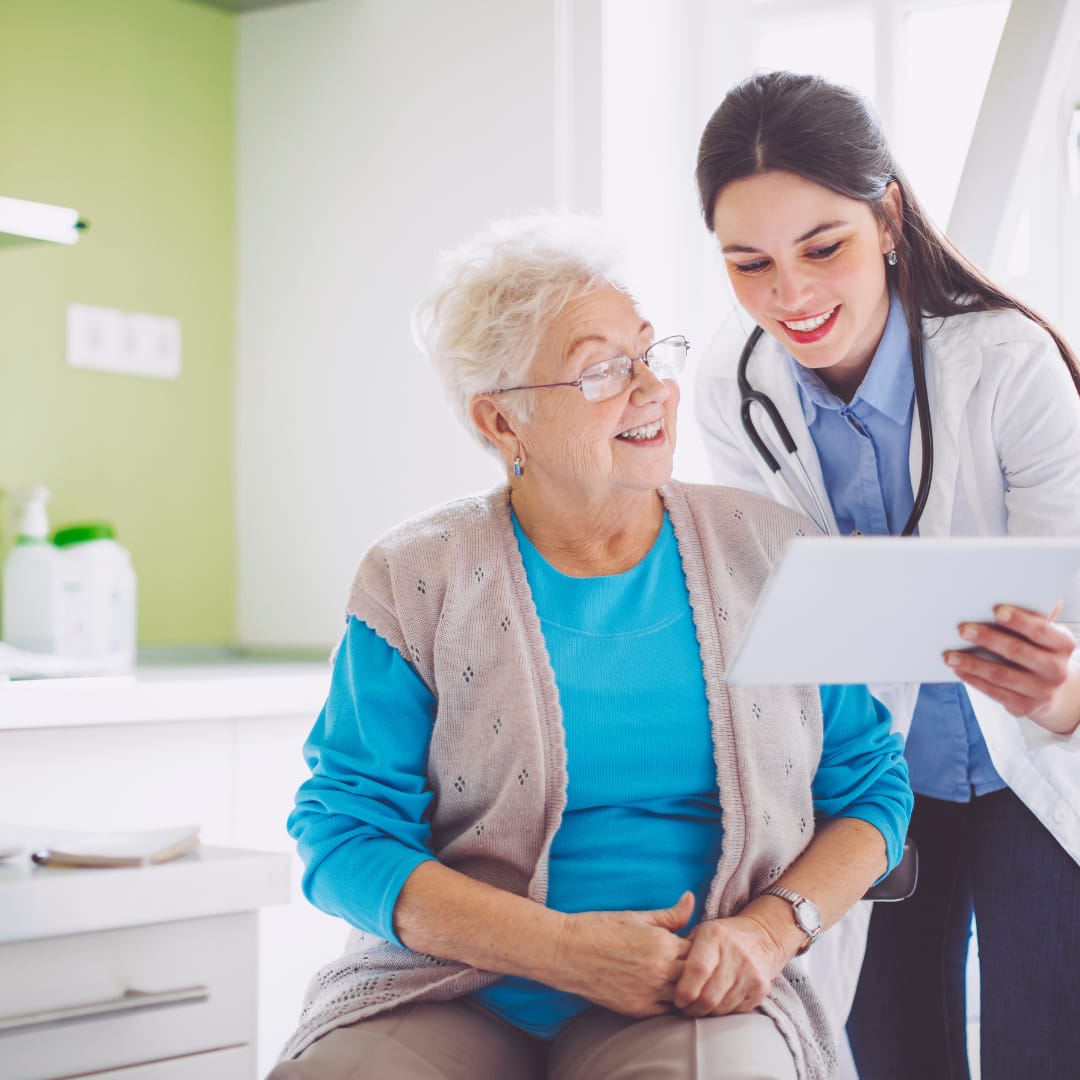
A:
(634, 962)
(1033, 677)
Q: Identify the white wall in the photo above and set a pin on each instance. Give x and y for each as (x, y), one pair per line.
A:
(375, 133)
(372, 135)
(651, 126)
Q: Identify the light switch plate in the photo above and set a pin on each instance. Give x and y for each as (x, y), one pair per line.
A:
(95, 337)
(136, 343)
(153, 343)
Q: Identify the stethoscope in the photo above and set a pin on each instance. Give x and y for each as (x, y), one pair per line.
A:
(817, 512)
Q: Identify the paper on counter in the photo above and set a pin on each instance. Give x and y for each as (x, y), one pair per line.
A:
(138, 848)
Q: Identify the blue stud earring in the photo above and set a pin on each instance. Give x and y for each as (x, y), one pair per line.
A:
(518, 470)
(892, 258)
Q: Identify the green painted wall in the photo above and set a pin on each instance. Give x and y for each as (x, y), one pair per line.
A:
(124, 109)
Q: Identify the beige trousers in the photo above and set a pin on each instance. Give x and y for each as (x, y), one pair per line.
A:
(457, 1040)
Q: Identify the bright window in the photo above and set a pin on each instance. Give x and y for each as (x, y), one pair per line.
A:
(940, 89)
(904, 55)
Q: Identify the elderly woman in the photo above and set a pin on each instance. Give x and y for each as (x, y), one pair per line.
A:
(568, 848)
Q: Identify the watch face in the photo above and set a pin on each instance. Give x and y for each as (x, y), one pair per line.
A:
(808, 917)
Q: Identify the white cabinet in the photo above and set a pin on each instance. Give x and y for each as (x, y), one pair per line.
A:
(216, 1065)
(151, 971)
(219, 747)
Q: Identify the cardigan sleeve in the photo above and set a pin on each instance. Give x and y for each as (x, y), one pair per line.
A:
(361, 819)
(862, 773)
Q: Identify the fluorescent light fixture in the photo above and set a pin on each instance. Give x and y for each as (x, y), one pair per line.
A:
(39, 221)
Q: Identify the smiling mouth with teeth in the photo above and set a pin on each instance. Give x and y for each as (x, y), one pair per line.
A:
(804, 326)
(646, 431)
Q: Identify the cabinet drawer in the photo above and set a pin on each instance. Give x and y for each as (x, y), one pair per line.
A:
(87, 1003)
(237, 1063)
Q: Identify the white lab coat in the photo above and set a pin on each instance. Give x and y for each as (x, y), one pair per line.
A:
(1006, 425)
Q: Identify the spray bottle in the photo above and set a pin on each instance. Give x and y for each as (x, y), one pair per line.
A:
(33, 611)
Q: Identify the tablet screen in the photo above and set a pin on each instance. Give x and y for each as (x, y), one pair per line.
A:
(884, 609)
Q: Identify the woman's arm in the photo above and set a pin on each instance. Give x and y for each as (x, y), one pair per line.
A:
(863, 802)
(360, 820)
(361, 825)
(627, 961)
(1035, 430)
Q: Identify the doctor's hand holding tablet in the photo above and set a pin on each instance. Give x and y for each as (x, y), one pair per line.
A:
(875, 379)
(1030, 676)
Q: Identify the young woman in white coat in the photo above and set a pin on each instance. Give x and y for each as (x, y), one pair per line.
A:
(915, 397)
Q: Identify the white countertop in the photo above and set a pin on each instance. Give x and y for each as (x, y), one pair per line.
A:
(45, 901)
(174, 691)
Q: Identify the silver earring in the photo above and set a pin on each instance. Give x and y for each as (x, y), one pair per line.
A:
(892, 258)
(518, 470)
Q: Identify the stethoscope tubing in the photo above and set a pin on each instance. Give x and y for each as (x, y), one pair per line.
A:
(751, 397)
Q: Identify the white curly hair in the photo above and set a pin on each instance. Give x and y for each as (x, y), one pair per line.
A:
(496, 296)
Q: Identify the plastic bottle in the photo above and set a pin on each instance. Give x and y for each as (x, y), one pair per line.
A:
(33, 610)
(99, 595)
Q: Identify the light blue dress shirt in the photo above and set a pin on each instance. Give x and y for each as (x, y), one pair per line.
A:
(863, 447)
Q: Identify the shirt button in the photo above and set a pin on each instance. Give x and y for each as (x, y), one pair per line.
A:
(1060, 814)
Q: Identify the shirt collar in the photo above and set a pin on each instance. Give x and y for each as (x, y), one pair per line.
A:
(889, 384)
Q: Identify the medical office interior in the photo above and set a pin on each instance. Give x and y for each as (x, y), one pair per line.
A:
(272, 182)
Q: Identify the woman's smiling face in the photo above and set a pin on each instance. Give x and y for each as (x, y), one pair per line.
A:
(808, 265)
(599, 449)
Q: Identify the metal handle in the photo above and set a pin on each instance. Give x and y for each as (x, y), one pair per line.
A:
(128, 1002)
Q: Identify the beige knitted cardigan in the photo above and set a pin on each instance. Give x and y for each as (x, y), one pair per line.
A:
(448, 591)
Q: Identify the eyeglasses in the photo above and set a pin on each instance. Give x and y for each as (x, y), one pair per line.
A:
(609, 378)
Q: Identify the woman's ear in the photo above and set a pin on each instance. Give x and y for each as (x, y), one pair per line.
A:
(893, 204)
(495, 424)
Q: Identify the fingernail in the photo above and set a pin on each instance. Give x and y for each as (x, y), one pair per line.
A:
(1003, 613)
(967, 632)
(951, 659)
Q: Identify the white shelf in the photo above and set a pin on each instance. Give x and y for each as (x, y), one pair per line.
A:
(45, 901)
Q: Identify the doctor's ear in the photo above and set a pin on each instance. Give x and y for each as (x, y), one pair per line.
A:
(892, 202)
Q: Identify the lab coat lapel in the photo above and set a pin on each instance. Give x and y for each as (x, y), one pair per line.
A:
(951, 374)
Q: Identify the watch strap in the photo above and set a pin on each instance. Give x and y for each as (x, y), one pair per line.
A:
(796, 900)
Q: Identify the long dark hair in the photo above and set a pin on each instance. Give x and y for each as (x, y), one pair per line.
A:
(826, 133)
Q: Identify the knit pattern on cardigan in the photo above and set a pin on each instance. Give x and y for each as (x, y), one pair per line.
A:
(448, 590)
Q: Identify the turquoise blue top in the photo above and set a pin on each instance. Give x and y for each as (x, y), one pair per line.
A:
(642, 822)
(863, 448)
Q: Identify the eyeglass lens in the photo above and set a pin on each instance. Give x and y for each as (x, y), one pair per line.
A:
(665, 360)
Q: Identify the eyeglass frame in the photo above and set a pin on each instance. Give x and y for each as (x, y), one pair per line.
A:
(579, 382)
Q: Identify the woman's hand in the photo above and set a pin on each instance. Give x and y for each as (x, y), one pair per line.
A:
(626, 961)
(1033, 678)
(731, 966)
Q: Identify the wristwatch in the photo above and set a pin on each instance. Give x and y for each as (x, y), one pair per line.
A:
(807, 916)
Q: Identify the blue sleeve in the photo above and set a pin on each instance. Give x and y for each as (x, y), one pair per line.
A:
(862, 773)
(360, 820)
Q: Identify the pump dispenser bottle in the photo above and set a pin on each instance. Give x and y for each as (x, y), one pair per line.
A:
(33, 611)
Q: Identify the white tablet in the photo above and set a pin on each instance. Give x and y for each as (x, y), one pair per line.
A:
(883, 609)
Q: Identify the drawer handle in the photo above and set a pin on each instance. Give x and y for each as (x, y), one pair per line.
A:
(128, 1002)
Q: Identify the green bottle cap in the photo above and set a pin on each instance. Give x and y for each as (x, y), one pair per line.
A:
(78, 534)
